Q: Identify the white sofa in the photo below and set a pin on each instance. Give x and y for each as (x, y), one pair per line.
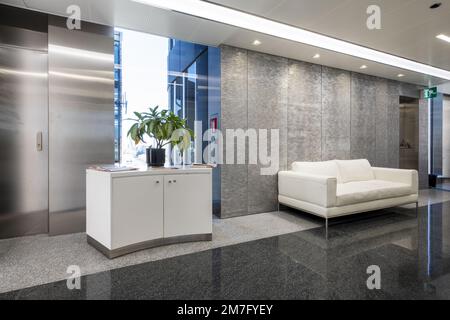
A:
(337, 188)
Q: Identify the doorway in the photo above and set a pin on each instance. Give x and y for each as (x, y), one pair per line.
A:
(440, 141)
(409, 133)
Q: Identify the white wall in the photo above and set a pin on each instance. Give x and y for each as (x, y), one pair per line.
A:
(444, 88)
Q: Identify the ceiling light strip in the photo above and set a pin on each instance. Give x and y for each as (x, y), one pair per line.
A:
(443, 37)
(251, 22)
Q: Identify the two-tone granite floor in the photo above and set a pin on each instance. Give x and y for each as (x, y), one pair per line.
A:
(413, 253)
(31, 261)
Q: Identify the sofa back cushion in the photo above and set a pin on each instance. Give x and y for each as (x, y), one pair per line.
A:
(324, 168)
(354, 170)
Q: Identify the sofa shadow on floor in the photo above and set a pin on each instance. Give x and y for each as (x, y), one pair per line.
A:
(351, 219)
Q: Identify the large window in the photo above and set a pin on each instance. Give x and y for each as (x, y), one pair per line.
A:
(155, 71)
(180, 76)
(143, 85)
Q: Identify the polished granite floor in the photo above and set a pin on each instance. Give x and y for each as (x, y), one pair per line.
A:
(411, 248)
(36, 260)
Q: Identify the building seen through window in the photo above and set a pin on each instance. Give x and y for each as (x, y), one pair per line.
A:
(172, 74)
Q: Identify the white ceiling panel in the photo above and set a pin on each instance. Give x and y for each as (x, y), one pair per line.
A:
(444, 88)
(16, 3)
(59, 7)
(258, 7)
(301, 52)
(408, 29)
(160, 22)
(103, 12)
(304, 13)
(99, 11)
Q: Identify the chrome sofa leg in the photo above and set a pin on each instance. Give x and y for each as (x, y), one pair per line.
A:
(326, 228)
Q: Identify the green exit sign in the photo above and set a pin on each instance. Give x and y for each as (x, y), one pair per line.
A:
(430, 93)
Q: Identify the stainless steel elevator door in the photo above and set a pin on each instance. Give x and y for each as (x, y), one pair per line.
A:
(23, 142)
(81, 117)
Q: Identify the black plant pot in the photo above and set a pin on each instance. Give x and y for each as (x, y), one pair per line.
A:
(156, 157)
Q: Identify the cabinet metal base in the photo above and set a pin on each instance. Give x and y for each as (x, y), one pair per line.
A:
(111, 254)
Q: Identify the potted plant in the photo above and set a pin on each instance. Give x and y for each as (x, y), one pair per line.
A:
(164, 127)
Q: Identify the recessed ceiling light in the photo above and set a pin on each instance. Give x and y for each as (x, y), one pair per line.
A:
(436, 5)
(256, 43)
(400, 75)
(363, 67)
(316, 56)
(443, 37)
(239, 19)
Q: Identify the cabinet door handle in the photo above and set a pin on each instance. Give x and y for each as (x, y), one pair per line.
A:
(174, 181)
(170, 181)
(39, 146)
(157, 182)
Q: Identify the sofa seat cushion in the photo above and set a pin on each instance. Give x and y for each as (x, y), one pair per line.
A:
(371, 190)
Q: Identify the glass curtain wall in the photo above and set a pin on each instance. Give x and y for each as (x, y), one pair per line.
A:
(191, 69)
(119, 101)
(183, 102)
(440, 141)
(191, 107)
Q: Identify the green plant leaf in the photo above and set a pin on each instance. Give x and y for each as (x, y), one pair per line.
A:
(159, 125)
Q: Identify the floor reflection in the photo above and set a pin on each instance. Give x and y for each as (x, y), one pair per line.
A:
(411, 248)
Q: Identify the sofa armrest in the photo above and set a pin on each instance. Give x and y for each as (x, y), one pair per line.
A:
(410, 177)
(319, 190)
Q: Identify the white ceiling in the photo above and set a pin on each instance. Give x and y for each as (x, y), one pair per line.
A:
(444, 88)
(409, 28)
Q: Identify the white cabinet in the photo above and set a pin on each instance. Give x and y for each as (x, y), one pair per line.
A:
(187, 205)
(129, 211)
(137, 210)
